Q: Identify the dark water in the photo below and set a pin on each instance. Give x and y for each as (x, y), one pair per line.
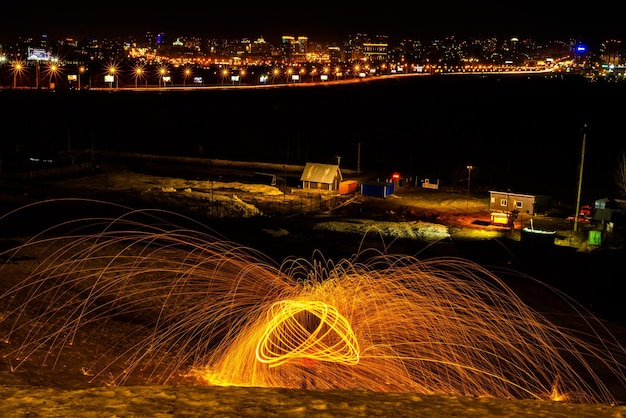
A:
(520, 133)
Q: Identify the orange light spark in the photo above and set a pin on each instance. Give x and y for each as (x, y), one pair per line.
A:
(157, 301)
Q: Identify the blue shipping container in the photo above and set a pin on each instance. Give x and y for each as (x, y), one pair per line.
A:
(377, 189)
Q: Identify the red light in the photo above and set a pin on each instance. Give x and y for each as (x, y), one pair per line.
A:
(395, 176)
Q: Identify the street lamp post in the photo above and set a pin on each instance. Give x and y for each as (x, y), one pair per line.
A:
(81, 70)
(112, 73)
(17, 69)
(285, 174)
(162, 71)
(37, 73)
(53, 69)
(138, 72)
(469, 179)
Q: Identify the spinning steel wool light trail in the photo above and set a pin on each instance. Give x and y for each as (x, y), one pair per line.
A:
(156, 300)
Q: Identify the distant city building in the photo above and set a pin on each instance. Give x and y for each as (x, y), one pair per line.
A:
(612, 52)
(375, 52)
(295, 49)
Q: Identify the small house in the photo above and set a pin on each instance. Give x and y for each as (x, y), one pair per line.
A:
(522, 203)
(321, 177)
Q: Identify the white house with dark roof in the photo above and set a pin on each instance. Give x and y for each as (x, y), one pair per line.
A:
(317, 176)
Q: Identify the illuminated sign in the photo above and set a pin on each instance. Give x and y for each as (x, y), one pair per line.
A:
(72, 77)
(295, 77)
(167, 78)
(109, 78)
(324, 77)
(38, 54)
(197, 80)
(234, 78)
(263, 79)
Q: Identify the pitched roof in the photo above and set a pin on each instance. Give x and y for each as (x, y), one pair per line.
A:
(320, 173)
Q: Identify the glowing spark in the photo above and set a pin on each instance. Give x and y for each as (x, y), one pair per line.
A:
(161, 301)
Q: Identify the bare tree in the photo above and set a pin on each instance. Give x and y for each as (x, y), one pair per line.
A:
(620, 173)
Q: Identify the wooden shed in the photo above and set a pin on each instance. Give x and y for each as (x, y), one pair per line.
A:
(522, 203)
(321, 176)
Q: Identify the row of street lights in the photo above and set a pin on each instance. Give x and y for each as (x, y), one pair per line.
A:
(139, 72)
(112, 73)
(51, 71)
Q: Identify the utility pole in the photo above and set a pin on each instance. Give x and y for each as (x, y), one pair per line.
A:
(469, 179)
(285, 192)
(580, 178)
(358, 159)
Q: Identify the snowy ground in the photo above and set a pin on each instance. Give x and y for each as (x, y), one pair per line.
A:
(196, 401)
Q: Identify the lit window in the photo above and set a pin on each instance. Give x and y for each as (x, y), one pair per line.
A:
(504, 202)
(518, 204)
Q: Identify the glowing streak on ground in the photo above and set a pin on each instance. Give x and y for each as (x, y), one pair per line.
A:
(289, 334)
(157, 301)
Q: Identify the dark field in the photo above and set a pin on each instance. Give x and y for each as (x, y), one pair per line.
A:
(520, 132)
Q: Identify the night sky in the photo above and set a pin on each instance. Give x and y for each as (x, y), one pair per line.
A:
(320, 21)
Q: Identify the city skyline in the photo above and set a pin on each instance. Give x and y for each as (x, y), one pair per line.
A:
(323, 23)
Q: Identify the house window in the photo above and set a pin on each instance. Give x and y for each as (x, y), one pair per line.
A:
(518, 204)
(504, 202)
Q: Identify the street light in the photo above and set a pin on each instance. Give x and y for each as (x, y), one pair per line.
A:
(275, 74)
(81, 70)
(112, 71)
(138, 74)
(469, 179)
(162, 72)
(186, 75)
(52, 72)
(17, 70)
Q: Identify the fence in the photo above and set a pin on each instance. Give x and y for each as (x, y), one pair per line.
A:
(299, 204)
